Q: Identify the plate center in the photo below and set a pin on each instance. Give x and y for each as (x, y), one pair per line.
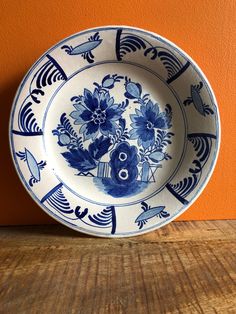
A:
(114, 133)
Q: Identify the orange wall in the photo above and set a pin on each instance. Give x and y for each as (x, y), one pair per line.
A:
(204, 29)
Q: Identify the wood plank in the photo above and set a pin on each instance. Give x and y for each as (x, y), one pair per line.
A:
(184, 267)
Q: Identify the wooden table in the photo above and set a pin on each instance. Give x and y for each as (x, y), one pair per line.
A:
(184, 267)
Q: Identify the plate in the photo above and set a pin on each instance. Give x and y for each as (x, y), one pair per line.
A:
(114, 131)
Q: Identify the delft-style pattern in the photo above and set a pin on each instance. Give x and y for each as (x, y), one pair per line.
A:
(128, 42)
(197, 101)
(121, 160)
(202, 143)
(85, 49)
(33, 166)
(96, 141)
(150, 212)
(49, 73)
(56, 199)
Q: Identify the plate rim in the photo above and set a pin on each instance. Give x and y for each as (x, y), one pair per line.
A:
(201, 186)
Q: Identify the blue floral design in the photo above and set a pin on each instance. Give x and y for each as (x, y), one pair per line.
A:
(123, 163)
(133, 90)
(128, 169)
(97, 113)
(146, 120)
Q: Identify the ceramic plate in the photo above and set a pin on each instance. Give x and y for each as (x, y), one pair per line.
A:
(114, 131)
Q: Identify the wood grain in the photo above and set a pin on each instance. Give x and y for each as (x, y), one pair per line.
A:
(185, 267)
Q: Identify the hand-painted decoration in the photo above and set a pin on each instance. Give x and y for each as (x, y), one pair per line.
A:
(150, 212)
(49, 73)
(202, 143)
(128, 126)
(127, 42)
(85, 49)
(33, 166)
(122, 160)
(106, 218)
(197, 100)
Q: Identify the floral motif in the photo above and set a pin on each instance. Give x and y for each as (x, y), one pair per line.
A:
(80, 159)
(110, 80)
(99, 147)
(64, 139)
(123, 163)
(117, 167)
(66, 134)
(146, 120)
(97, 113)
(133, 90)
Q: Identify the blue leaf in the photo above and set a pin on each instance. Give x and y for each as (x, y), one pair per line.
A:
(122, 123)
(157, 156)
(99, 147)
(80, 159)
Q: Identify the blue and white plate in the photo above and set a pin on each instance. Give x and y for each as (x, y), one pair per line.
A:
(114, 131)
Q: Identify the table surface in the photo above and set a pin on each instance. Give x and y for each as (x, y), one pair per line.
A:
(184, 267)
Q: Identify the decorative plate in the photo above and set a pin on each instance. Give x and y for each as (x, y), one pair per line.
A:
(114, 131)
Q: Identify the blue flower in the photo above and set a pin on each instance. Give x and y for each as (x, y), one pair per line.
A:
(123, 163)
(64, 139)
(133, 90)
(146, 120)
(108, 82)
(96, 112)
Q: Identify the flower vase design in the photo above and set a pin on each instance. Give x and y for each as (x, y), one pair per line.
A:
(121, 154)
